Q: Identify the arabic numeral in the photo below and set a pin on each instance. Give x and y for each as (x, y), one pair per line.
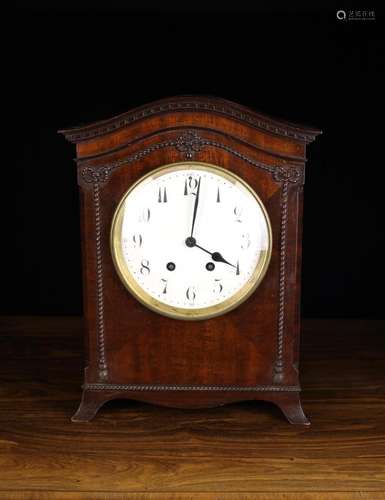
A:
(162, 195)
(238, 214)
(246, 242)
(145, 267)
(137, 240)
(165, 285)
(145, 215)
(190, 185)
(218, 287)
(191, 294)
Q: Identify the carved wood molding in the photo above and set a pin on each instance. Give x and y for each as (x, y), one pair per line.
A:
(102, 362)
(278, 365)
(190, 143)
(101, 173)
(177, 387)
(191, 104)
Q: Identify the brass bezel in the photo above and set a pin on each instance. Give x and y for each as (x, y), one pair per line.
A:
(178, 312)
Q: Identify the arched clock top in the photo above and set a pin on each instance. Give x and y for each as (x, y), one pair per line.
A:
(199, 105)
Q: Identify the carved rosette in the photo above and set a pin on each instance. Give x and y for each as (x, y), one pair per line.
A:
(96, 176)
(288, 174)
(189, 143)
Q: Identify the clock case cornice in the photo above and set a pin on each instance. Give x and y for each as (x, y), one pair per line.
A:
(204, 104)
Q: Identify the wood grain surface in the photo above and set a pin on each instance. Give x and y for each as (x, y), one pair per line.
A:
(138, 451)
(61, 495)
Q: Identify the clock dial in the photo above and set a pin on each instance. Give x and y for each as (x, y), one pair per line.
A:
(191, 240)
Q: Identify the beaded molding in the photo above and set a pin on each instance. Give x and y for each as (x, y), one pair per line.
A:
(102, 362)
(175, 387)
(278, 366)
(227, 109)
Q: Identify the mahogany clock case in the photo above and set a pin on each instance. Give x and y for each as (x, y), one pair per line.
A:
(252, 351)
(300, 65)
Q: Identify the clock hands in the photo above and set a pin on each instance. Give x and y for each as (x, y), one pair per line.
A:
(216, 256)
(191, 241)
(195, 207)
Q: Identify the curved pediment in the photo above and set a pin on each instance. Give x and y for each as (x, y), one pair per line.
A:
(199, 104)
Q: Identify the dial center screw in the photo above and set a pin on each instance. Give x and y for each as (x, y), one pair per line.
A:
(190, 241)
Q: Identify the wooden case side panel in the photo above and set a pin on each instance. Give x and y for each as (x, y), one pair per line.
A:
(298, 280)
(88, 324)
(92, 242)
(288, 329)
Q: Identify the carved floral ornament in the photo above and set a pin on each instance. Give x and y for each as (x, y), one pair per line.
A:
(289, 174)
(189, 143)
(91, 175)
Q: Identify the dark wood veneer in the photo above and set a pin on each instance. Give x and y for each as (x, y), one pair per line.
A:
(248, 353)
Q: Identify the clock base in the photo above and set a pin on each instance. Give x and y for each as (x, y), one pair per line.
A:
(288, 401)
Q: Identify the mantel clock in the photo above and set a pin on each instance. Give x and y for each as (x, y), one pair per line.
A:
(191, 212)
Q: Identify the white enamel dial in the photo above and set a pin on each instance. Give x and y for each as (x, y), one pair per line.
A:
(191, 240)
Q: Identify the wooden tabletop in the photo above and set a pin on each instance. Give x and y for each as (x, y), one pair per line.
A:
(239, 452)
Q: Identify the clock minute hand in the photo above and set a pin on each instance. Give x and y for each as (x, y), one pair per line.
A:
(195, 207)
(216, 256)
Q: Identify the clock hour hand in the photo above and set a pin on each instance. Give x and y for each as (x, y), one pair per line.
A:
(216, 256)
(195, 207)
